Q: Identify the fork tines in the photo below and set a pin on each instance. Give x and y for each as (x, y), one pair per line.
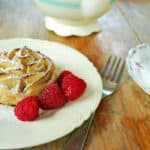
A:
(113, 69)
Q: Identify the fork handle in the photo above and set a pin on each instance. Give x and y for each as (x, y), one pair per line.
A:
(79, 136)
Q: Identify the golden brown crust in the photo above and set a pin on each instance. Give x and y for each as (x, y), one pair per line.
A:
(23, 72)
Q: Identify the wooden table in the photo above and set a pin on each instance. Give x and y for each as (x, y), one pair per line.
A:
(122, 121)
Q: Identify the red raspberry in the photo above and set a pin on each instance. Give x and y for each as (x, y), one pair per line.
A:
(52, 97)
(61, 76)
(27, 109)
(73, 86)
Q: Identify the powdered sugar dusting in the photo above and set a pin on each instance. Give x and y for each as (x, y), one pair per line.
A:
(7, 116)
(15, 65)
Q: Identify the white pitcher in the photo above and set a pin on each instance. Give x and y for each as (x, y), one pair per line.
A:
(75, 13)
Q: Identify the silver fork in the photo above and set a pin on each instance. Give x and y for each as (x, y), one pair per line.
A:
(111, 75)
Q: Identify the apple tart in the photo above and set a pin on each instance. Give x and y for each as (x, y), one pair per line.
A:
(23, 72)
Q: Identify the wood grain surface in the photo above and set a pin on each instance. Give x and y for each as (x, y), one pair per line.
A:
(122, 121)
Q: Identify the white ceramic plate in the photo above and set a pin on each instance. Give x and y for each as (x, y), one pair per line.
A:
(51, 125)
(138, 62)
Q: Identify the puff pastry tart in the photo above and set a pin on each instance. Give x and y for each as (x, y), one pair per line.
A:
(23, 72)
